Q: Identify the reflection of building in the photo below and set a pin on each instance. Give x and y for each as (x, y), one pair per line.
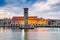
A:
(31, 20)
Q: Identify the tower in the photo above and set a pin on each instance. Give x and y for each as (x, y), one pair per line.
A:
(25, 16)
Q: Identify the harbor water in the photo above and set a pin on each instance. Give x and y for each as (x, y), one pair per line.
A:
(35, 34)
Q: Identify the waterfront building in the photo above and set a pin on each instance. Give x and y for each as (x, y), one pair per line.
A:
(31, 20)
(54, 22)
(42, 21)
(5, 21)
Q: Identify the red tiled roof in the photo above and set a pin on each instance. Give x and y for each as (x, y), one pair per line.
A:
(22, 17)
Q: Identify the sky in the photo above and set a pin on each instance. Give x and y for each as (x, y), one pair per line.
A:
(48, 9)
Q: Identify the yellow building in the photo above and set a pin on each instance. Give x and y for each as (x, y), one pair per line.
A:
(42, 21)
(31, 20)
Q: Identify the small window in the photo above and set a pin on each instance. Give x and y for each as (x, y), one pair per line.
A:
(25, 12)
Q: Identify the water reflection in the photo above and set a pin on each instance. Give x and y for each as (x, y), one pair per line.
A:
(45, 34)
(36, 34)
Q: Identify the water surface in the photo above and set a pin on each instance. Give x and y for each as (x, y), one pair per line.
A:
(40, 34)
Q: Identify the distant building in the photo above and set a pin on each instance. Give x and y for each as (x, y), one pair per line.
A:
(5, 21)
(54, 22)
(58, 22)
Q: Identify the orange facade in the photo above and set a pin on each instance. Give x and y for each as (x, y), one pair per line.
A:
(42, 21)
(31, 20)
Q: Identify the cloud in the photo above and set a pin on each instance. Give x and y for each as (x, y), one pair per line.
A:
(46, 9)
(21, 3)
(53, 1)
(10, 11)
(5, 14)
(52, 15)
(15, 2)
(14, 9)
(41, 8)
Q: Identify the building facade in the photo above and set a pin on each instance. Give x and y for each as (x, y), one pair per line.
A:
(31, 20)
